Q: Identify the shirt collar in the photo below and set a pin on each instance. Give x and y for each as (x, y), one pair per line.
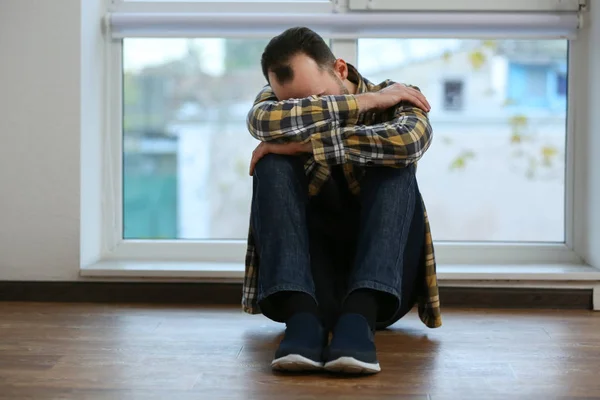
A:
(355, 77)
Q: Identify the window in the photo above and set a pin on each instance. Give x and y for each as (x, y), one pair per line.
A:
(186, 145)
(496, 171)
(453, 95)
(183, 75)
(494, 174)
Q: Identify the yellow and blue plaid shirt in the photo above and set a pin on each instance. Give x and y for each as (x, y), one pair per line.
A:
(341, 135)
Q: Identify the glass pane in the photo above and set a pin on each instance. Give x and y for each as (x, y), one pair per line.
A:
(186, 145)
(496, 168)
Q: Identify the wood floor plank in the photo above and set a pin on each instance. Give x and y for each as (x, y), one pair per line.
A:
(96, 351)
(27, 362)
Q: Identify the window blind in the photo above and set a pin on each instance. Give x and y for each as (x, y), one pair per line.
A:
(467, 5)
(526, 25)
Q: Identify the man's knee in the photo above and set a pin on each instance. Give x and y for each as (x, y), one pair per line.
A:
(277, 167)
(385, 179)
(396, 173)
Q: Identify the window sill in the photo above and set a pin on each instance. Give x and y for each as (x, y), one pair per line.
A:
(235, 271)
(161, 269)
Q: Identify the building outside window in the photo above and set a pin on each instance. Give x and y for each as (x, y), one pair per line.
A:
(453, 95)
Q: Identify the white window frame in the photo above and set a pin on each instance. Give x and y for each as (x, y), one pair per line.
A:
(225, 259)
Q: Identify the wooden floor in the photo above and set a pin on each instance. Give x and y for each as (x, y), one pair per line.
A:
(92, 351)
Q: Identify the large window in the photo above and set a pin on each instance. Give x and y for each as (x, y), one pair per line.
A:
(186, 145)
(496, 170)
(182, 76)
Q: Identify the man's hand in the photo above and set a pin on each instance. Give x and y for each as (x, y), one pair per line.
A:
(289, 149)
(390, 96)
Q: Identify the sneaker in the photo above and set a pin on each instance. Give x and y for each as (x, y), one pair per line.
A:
(352, 349)
(302, 346)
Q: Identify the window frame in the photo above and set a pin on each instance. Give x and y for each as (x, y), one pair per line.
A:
(225, 258)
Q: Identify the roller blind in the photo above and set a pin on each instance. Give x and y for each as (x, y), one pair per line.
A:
(467, 5)
(348, 25)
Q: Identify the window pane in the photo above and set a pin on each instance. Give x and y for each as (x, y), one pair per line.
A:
(186, 145)
(496, 168)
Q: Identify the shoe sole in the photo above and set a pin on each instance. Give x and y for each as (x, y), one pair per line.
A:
(296, 363)
(352, 366)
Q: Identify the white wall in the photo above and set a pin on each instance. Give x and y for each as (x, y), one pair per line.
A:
(92, 91)
(39, 131)
(593, 248)
(587, 240)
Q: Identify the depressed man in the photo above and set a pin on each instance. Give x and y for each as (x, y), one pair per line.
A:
(339, 239)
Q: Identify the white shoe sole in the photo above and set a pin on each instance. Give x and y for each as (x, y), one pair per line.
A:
(296, 363)
(350, 365)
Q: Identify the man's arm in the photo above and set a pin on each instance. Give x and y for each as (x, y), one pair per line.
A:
(296, 120)
(398, 143)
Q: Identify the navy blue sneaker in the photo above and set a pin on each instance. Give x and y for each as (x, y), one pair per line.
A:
(302, 346)
(352, 349)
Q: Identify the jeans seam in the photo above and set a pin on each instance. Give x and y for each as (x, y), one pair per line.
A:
(256, 222)
(406, 228)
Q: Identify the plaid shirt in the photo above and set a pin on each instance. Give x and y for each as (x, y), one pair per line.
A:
(340, 135)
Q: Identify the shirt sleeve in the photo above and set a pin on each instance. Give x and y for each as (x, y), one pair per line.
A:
(296, 120)
(398, 143)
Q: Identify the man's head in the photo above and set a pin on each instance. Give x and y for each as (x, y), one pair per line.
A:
(298, 63)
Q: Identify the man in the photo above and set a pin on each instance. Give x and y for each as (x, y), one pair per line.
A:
(339, 238)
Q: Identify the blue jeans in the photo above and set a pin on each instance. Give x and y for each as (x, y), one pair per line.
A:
(334, 243)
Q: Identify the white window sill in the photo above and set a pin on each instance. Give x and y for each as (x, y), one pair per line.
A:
(235, 271)
(175, 269)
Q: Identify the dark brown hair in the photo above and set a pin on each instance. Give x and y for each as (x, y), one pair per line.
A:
(293, 41)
